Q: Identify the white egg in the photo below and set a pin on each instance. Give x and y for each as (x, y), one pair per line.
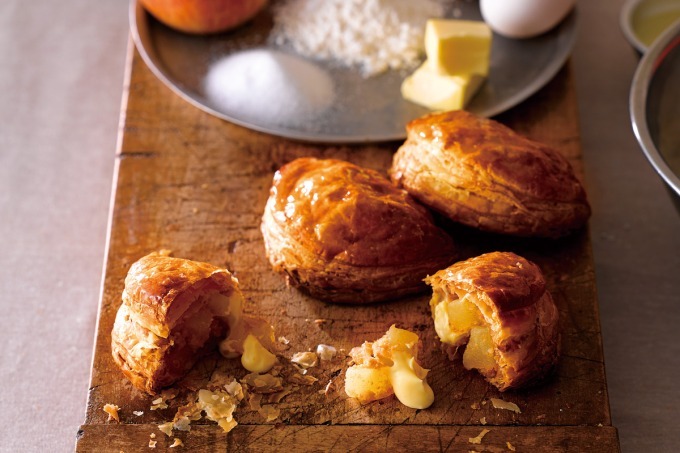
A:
(524, 18)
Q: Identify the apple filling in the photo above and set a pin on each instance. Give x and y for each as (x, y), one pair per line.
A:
(454, 317)
(458, 321)
(478, 353)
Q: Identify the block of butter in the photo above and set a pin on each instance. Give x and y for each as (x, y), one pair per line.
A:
(456, 47)
(439, 91)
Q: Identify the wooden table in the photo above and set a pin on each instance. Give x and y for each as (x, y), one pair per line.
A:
(197, 185)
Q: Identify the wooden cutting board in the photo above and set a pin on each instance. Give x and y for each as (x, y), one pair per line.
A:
(197, 185)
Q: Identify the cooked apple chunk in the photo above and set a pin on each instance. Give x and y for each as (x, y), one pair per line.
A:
(479, 352)
(497, 306)
(454, 319)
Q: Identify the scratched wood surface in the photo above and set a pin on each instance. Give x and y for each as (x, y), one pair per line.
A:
(197, 185)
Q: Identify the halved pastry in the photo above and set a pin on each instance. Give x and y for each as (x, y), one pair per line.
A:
(480, 173)
(173, 311)
(346, 234)
(497, 305)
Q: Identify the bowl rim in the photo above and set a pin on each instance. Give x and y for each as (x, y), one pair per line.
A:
(626, 24)
(638, 103)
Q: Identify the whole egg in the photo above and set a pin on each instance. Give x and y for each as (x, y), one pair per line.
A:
(524, 18)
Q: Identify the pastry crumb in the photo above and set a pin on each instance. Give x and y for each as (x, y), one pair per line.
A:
(326, 352)
(138, 413)
(166, 428)
(219, 407)
(234, 389)
(269, 412)
(482, 420)
(278, 396)
(112, 410)
(152, 443)
(254, 401)
(302, 379)
(182, 423)
(161, 401)
(158, 403)
(152, 435)
(263, 383)
(474, 406)
(177, 442)
(506, 405)
(305, 359)
(480, 436)
(510, 446)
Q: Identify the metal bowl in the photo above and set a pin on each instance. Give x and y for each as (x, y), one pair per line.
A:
(642, 21)
(655, 108)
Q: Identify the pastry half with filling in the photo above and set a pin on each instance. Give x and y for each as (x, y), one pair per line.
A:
(481, 173)
(497, 306)
(174, 310)
(344, 233)
(389, 366)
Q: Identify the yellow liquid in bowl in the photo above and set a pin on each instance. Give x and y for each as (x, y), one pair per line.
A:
(649, 23)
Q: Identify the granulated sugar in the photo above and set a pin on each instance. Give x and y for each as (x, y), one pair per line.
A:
(374, 35)
(269, 86)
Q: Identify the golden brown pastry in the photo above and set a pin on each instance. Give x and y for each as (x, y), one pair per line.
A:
(497, 305)
(346, 234)
(480, 173)
(173, 311)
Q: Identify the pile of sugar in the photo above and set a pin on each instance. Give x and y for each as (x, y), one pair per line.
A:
(374, 35)
(269, 86)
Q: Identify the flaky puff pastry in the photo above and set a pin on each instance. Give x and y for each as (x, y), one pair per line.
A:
(480, 173)
(497, 305)
(173, 311)
(346, 234)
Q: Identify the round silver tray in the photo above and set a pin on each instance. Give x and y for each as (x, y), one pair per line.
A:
(365, 109)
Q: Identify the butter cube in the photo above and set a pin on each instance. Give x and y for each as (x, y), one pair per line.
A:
(440, 92)
(456, 47)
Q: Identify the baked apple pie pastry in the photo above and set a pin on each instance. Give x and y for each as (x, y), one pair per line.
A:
(480, 173)
(174, 311)
(346, 234)
(497, 307)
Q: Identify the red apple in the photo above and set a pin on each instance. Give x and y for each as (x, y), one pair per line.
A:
(203, 16)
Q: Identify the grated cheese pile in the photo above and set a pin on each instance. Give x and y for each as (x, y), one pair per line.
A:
(374, 35)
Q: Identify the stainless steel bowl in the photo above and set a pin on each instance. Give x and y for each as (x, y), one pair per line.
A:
(655, 108)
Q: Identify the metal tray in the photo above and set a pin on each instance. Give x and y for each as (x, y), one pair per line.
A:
(364, 109)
